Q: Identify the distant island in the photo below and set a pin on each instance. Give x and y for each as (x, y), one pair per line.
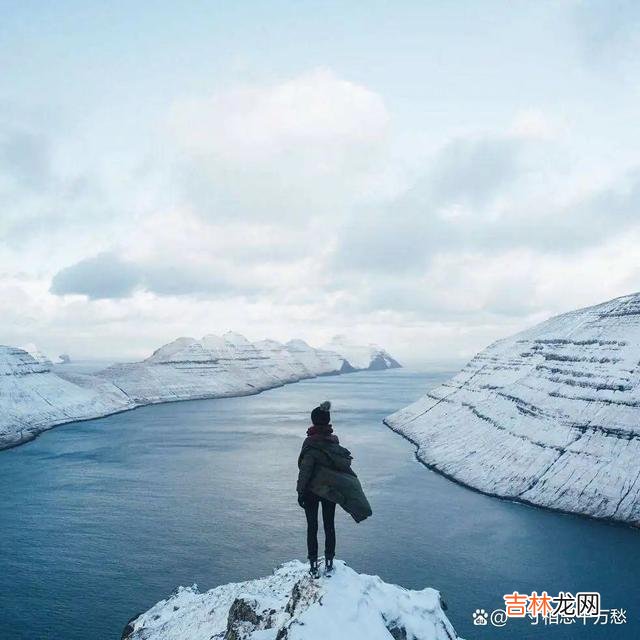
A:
(34, 398)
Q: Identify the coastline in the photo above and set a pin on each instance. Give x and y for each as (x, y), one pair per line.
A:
(528, 503)
(138, 405)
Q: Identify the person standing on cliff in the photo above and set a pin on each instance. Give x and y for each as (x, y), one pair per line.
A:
(325, 477)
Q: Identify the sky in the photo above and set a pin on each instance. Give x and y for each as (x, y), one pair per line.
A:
(429, 176)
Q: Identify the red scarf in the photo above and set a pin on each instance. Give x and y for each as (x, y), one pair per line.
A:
(322, 432)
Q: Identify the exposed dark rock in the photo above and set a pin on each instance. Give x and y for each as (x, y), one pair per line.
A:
(244, 619)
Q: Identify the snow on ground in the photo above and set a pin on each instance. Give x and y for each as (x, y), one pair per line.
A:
(290, 605)
(550, 416)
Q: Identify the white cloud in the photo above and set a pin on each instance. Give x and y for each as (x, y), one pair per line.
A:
(534, 123)
(277, 209)
(260, 123)
(307, 145)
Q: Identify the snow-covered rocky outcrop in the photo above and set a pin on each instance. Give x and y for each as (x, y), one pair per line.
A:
(33, 398)
(550, 416)
(370, 356)
(290, 605)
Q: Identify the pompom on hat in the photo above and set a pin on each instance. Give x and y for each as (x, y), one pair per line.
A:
(320, 416)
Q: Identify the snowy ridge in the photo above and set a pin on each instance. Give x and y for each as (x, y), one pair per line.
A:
(319, 362)
(220, 366)
(370, 356)
(36, 354)
(290, 605)
(34, 398)
(550, 416)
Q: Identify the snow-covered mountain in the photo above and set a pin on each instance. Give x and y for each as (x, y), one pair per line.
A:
(220, 366)
(370, 356)
(36, 354)
(290, 605)
(550, 416)
(33, 398)
(320, 362)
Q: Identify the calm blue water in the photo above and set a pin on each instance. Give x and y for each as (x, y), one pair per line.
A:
(101, 519)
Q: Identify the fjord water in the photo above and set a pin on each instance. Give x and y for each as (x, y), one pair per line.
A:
(101, 519)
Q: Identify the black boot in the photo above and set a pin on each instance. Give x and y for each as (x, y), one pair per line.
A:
(328, 565)
(313, 568)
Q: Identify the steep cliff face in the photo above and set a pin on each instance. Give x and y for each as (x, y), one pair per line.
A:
(371, 356)
(550, 416)
(33, 398)
(290, 605)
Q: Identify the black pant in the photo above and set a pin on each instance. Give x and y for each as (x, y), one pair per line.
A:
(311, 502)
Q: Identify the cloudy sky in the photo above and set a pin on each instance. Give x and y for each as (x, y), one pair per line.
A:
(426, 175)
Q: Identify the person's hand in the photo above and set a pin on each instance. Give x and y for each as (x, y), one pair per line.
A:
(301, 500)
